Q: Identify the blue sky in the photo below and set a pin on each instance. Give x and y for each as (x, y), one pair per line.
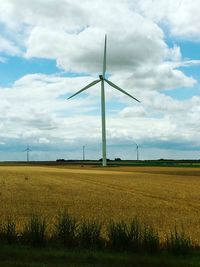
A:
(190, 51)
(15, 67)
(45, 56)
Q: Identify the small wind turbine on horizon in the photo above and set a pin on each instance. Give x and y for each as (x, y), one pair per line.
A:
(27, 152)
(83, 153)
(103, 79)
(137, 151)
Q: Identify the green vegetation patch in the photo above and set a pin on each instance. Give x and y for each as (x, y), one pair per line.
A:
(45, 257)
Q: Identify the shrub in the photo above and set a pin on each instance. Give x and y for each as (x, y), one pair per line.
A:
(65, 229)
(89, 235)
(178, 242)
(34, 231)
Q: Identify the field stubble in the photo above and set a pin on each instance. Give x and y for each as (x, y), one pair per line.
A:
(162, 196)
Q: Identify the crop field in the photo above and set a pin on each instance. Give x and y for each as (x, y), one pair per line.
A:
(160, 196)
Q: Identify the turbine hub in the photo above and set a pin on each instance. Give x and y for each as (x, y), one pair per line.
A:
(101, 77)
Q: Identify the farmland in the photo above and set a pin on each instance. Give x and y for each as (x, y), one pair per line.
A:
(160, 196)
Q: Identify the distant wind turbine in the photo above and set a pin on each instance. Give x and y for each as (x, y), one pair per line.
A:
(83, 153)
(27, 153)
(137, 151)
(101, 79)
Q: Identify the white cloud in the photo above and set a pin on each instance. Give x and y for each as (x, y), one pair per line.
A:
(180, 16)
(7, 47)
(43, 140)
(136, 111)
(2, 143)
(157, 78)
(174, 53)
(83, 52)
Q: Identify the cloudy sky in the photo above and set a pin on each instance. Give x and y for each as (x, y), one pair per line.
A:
(49, 49)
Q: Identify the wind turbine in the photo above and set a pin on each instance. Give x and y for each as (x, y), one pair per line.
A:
(27, 152)
(137, 150)
(102, 79)
(83, 153)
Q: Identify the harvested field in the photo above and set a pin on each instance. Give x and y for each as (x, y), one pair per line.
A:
(160, 196)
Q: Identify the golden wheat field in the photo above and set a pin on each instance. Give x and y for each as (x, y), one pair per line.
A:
(160, 196)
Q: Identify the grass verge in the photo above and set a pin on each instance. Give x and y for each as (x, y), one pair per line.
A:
(18, 256)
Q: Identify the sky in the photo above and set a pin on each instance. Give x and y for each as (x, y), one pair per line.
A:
(49, 49)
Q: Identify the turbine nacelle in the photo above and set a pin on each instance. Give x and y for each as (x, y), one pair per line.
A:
(101, 77)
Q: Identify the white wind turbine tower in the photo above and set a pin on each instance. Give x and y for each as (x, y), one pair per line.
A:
(103, 79)
(27, 152)
(137, 151)
(83, 153)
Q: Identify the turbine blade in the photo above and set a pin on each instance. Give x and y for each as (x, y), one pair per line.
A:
(85, 88)
(121, 90)
(104, 56)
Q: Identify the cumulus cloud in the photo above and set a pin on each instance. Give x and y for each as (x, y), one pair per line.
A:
(180, 16)
(73, 35)
(68, 33)
(133, 112)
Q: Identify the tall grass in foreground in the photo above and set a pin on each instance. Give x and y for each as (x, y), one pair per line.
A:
(65, 229)
(119, 236)
(89, 235)
(133, 236)
(150, 239)
(34, 231)
(8, 233)
(178, 243)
